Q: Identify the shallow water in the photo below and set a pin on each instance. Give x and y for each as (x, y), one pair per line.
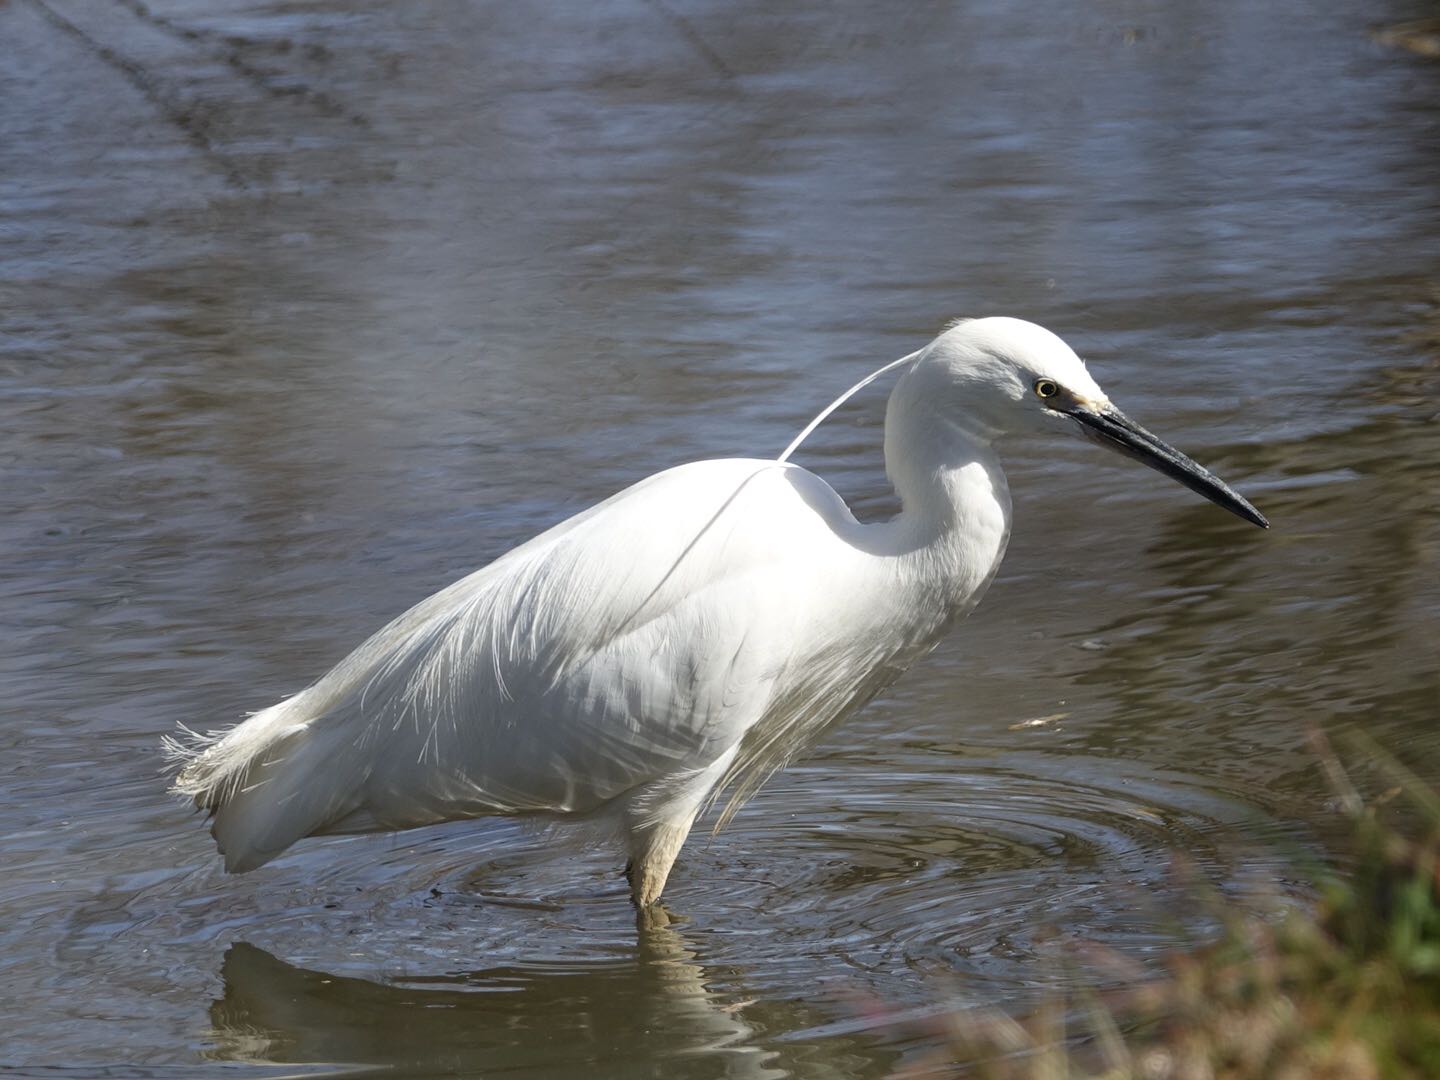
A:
(308, 308)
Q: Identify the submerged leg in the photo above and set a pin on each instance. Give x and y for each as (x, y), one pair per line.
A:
(653, 850)
(658, 817)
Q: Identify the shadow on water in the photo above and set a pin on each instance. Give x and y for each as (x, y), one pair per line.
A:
(569, 1019)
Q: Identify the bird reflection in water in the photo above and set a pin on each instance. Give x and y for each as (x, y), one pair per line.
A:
(647, 1013)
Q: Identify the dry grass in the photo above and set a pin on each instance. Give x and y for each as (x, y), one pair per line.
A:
(1347, 991)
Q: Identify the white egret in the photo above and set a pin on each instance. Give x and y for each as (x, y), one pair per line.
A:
(692, 632)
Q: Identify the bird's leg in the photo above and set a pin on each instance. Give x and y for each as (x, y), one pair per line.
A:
(652, 853)
(657, 820)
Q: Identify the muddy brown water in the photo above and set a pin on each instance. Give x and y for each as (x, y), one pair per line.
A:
(307, 308)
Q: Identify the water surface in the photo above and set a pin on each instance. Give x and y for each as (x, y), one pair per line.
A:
(308, 308)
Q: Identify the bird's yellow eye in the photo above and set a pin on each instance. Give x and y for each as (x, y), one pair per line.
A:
(1046, 388)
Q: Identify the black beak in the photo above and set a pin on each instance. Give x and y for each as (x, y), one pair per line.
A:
(1108, 426)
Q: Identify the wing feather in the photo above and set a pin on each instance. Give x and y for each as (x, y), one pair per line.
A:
(632, 641)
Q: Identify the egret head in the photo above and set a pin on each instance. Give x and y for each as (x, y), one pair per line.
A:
(998, 376)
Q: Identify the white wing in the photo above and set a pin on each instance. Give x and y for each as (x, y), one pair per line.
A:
(635, 642)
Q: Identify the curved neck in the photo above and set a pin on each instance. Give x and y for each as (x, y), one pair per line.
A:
(942, 463)
(955, 504)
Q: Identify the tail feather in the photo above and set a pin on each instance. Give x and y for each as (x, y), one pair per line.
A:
(278, 776)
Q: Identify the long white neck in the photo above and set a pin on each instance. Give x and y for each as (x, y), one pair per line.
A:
(955, 504)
